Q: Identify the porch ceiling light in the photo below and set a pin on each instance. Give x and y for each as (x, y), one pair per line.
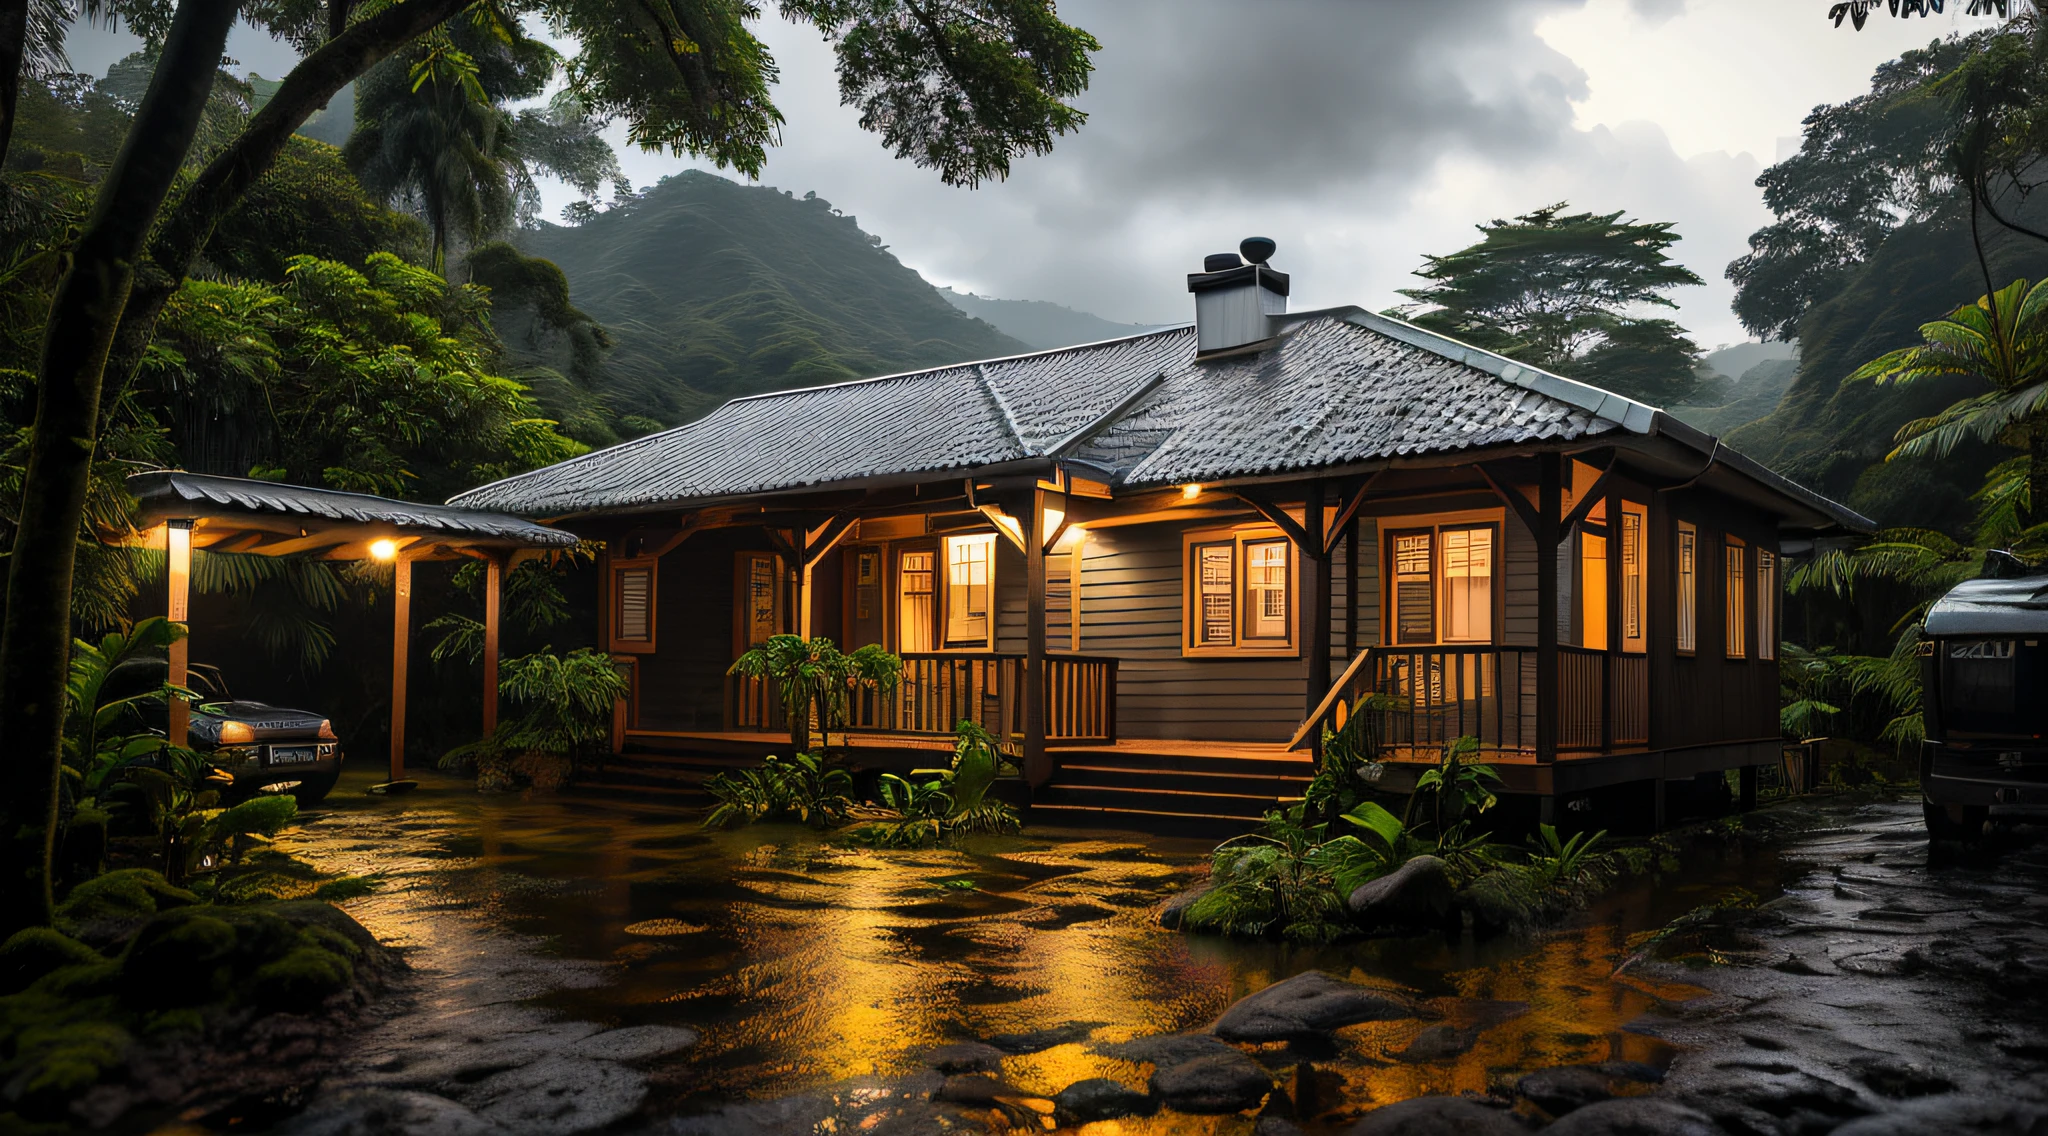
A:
(384, 549)
(1190, 491)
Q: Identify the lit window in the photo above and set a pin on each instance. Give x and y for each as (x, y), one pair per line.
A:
(914, 601)
(1266, 590)
(1633, 517)
(1468, 585)
(969, 573)
(1593, 591)
(1766, 604)
(1215, 594)
(1738, 600)
(761, 622)
(1414, 588)
(1688, 588)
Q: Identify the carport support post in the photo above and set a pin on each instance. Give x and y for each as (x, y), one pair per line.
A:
(1037, 765)
(178, 588)
(401, 639)
(494, 584)
(1549, 516)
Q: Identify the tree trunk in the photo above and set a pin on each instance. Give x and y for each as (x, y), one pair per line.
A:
(13, 57)
(35, 644)
(221, 185)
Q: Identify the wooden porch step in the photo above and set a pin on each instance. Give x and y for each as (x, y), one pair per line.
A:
(1290, 783)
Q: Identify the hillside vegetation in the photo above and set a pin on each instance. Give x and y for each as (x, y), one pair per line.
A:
(710, 290)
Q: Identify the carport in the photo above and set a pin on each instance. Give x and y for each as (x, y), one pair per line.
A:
(178, 512)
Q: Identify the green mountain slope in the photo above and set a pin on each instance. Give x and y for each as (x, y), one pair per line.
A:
(711, 289)
(1042, 325)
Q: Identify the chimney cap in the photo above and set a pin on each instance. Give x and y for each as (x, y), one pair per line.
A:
(1257, 250)
(1220, 262)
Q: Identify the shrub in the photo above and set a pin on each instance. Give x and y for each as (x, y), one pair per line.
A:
(805, 789)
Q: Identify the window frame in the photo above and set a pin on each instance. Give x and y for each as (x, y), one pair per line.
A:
(1638, 643)
(1766, 604)
(615, 597)
(1238, 538)
(1436, 524)
(942, 586)
(741, 610)
(893, 568)
(1735, 602)
(1685, 588)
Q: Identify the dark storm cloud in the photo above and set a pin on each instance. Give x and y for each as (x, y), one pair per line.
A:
(1210, 97)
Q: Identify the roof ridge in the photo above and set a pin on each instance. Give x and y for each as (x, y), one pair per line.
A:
(1002, 407)
(1108, 417)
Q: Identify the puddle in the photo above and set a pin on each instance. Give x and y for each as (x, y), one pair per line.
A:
(805, 965)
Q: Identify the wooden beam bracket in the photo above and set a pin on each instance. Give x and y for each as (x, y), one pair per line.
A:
(1268, 509)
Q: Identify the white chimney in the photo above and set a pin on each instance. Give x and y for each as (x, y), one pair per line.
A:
(1236, 295)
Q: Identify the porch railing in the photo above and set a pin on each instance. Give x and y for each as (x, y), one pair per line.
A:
(940, 689)
(1440, 694)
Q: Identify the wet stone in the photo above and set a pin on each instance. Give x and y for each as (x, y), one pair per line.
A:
(1310, 1003)
(1066, 1033)
(1637, 1116)
(1953, 1113)
(1419, 893)
(634, 1043)
(1227, 1081)
(1176, 905)
(1100, 1098)
(1567, 1087)
(388, 1112)
(1439, 1116)
(1166, 1049)
(1438, 1043)
(973, 1089)
(964, 1057)
(558, 1095)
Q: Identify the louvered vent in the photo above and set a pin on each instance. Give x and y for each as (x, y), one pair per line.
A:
(636, 605)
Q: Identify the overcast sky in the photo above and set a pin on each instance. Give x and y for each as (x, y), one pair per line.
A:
(1359, 134)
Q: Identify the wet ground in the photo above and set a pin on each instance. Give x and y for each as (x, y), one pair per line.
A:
(584, 965)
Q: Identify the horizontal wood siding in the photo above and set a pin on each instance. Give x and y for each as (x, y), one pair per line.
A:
(682, 684)
(1131, 608)
(1518, 560)
(1706, 697)
(1012, 597)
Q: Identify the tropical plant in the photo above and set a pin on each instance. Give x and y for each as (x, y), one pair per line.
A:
(1572, 867)
(1278, 881)
(813, 677)
(807, 789)
(953, 801)
(1350, 768)
(1558, 290)
(561, 716)
(1806, 682)
(2001, 343)
(960, 87)
(1454, 787)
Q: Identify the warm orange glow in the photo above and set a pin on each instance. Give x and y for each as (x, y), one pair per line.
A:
(1190, 491)
(384, 549)
(327, 729)
(236, 733)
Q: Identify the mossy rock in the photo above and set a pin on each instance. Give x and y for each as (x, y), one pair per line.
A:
(301, 980)
(111, 907)
(1503, 899)
(62, 1061)
(30, 954)
(180, 958)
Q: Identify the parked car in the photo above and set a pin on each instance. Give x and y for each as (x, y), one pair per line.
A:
(269, 748)
(1984, 695)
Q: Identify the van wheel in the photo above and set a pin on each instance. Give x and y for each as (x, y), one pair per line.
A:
(1964, 823)
(314, 789)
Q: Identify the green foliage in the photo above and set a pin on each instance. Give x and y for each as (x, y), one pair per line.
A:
(953, 803)
(1277, 882)
(33, 952)
(1807, 680)
(1569, 867)
(1555, 289)
(799, 296)
(813, 677)
(376, 381)
(309, 204)
(560, 718)
(805, 789)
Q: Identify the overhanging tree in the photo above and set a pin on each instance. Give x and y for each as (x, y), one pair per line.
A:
(963, 87)
(1556, 290)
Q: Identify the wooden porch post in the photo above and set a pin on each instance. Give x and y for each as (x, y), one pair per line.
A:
(1318, 606)
(494, 584)
(401, 639)
(1608, 669)
(178, 588)
(1037, 765)
(1549, 512)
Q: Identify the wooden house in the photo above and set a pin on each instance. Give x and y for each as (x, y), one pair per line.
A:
(1160, 563)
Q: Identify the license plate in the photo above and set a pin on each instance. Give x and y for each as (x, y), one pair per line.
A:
(292, 755)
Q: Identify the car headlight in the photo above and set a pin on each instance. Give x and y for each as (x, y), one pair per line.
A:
(237, 733)
(326, 729)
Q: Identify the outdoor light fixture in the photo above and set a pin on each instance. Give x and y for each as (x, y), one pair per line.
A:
(1190, 491)
(384, 549)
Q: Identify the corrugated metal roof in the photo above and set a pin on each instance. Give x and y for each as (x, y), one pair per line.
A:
(175, 494)
(1338, 387)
